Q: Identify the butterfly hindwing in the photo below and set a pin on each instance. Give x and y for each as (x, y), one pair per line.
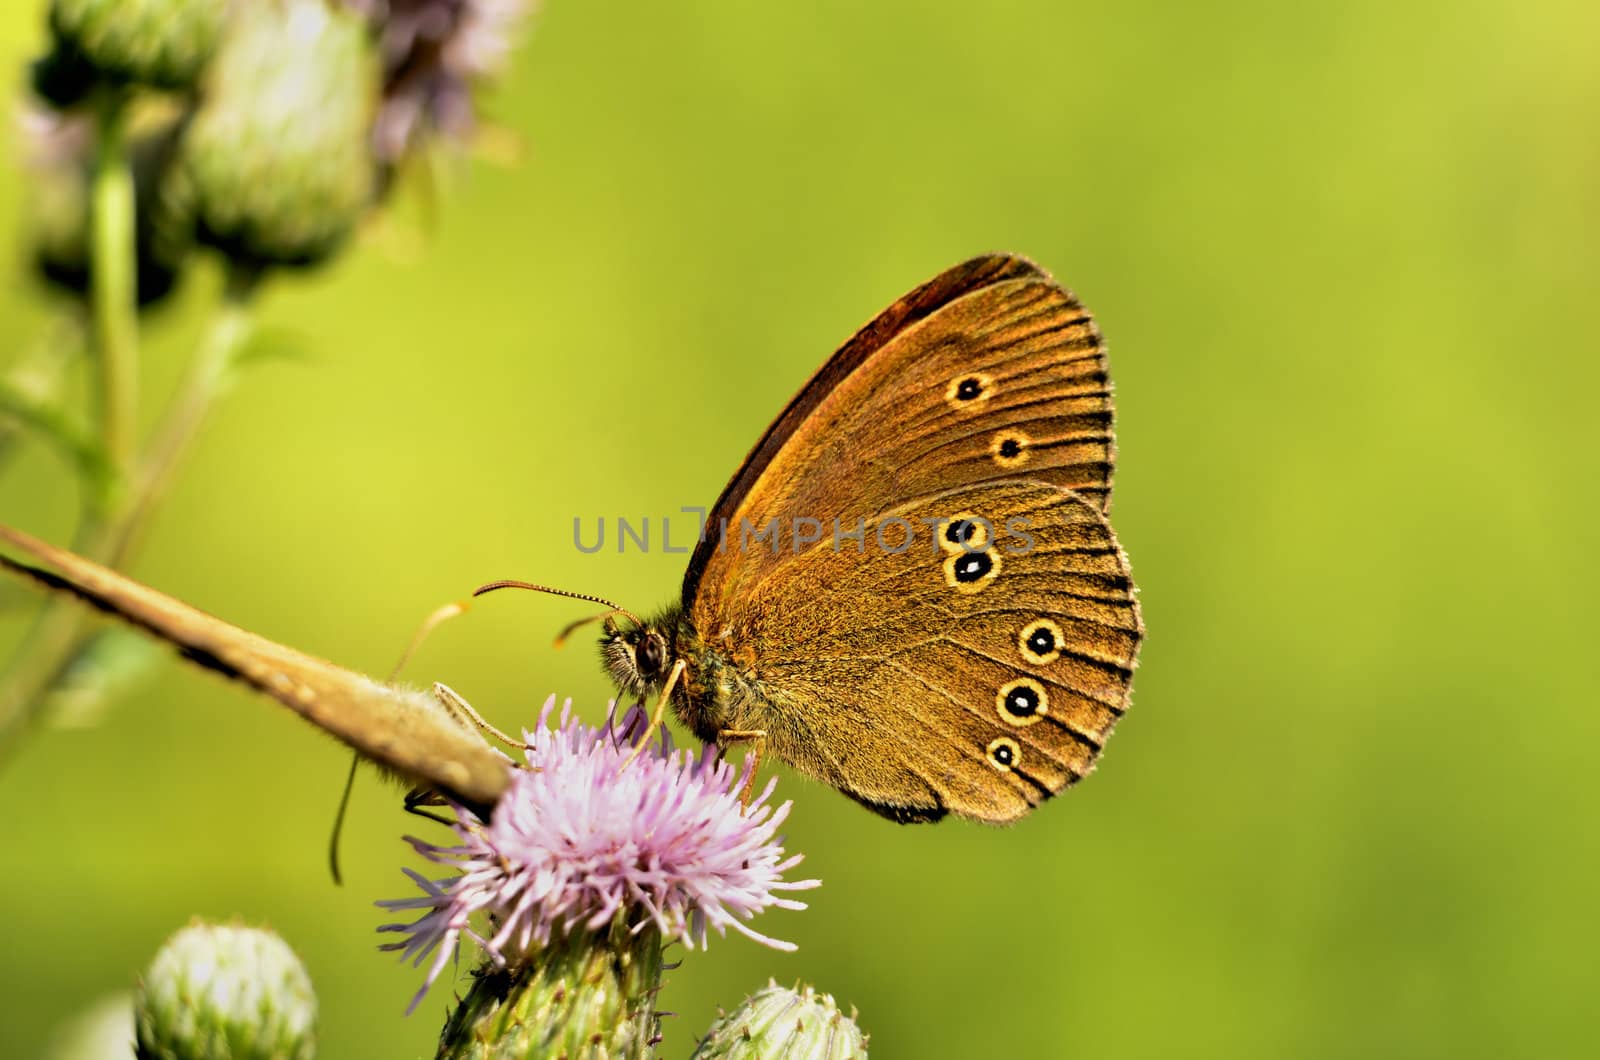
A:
(947, 676)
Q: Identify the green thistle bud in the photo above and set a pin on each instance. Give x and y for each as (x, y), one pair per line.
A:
(104, 1029)
(154, 42)
(226, 992)
(777, 1021)
(276, 165)
(60, 148)
(62, 77)
(589, 994)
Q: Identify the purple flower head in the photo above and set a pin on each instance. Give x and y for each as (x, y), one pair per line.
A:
(579, 839)
(51, 139)
(434, 52)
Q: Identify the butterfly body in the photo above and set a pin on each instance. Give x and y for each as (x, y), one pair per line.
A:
(910, 589)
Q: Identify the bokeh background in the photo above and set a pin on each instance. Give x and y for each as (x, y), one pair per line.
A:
(1345, 256)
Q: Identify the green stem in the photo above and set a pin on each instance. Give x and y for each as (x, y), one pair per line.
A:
(30, 395)
(210, 375)
(43, 416)
(63, 628)
(113, 294)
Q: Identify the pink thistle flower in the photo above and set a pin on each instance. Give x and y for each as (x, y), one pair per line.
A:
(435, 52)
(578, 840)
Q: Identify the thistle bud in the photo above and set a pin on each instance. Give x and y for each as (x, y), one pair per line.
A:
(104, 1029)
(164, 43)
(60, 149)
(225, 992)
(275, 166)
(62, 77)
(778, 1021)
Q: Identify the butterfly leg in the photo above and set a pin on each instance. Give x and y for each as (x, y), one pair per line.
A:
(462, 712)
(417, 798)
(757, 738)
(658, 714)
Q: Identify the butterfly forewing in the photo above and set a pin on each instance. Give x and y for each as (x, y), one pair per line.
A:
(991, 371)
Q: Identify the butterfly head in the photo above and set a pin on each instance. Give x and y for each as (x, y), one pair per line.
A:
(637, 655)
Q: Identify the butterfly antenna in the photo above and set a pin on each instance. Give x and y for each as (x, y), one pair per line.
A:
(572, 627)
(338, 821)
(514, 584)
(429, 624)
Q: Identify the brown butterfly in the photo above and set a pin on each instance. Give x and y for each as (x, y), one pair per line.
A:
(978, 671)
(429, 740)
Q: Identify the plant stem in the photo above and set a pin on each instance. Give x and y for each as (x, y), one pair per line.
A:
(63, 627)
(113, 294)
(30, 393)
(44, 417)
(209, 377)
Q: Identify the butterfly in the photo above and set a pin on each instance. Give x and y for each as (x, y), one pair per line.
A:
(427, 739)
(979, 669)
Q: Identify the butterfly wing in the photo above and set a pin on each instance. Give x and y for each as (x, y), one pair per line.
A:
(395, 728)
(987, 372)
(983, 391)
(945, 677)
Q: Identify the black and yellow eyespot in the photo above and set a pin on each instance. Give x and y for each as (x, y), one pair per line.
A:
(1022, 702)
(1040, 642)
(1011, 448)
(969, 572)
(969, 390)
(967, 532)
(1004, 753)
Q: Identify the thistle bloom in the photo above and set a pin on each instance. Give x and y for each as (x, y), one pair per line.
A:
(434, 52)
(580, 840)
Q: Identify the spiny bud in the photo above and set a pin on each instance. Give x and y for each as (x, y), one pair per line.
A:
(226, 992)
(275, 164)
(59, 149)
(777, 1021)
(62, 77)
(164, 43)
(104, 1029)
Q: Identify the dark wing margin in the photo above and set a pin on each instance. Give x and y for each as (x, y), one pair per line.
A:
(956, 282)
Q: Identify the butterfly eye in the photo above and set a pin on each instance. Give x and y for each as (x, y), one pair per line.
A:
(965, 532)
(972, 568)
(969, 572)
(1040, 642)
(1022, 702)
(1004, 753)
(964, 390)
(1010, 449)
(652, 652)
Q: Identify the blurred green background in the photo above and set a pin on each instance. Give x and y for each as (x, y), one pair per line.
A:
(1346, 260)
